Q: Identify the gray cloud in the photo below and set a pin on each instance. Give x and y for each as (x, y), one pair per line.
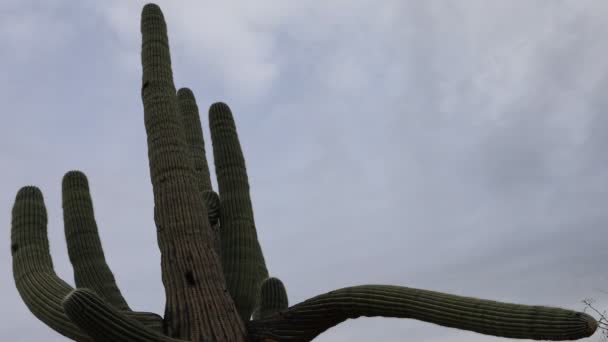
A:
(444, 145)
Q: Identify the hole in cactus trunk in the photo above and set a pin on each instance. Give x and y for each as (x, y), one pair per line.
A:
(190, 278)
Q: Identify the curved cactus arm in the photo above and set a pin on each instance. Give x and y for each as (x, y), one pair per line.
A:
(191, 269)
(193, 131)
(242, 258)
(84, 247)
(273, 298)
(310, 318)
(40, 288)
(104, 323)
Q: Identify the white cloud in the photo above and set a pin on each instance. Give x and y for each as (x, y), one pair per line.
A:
(32, 32)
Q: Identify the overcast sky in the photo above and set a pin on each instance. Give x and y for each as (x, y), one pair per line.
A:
(456, 146)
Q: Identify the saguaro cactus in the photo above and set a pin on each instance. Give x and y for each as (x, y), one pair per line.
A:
(213, 269)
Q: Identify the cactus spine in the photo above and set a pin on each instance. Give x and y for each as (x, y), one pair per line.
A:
(213, 269)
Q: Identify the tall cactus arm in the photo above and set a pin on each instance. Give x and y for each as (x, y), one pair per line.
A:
(198, 305)
(242, 257)
(85, 250)
(273, 298)
(310, 318)
(193, 131)
(104, 323)
(84, 247)
(39, 286)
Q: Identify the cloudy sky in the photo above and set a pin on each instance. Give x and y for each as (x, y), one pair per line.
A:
(457, 146)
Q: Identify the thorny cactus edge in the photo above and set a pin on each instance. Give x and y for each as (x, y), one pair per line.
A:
(213, 269)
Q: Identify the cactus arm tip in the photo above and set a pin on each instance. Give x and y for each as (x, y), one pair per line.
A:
(273, 298)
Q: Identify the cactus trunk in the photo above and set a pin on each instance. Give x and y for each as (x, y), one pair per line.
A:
(191, 268)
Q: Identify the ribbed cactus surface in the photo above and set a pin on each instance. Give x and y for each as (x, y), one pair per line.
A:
(273, 298)
(191, 269)
(242, 257)
(84, 246)
(104, 323)
(213, 268)
(39, 286)
(467, 313)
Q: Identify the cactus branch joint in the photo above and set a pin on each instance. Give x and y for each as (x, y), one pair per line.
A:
(217, 285)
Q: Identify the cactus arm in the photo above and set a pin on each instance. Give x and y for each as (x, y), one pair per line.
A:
(193, 131)
(39, 286)
(104, 323)
(198, 306)
(310, 318)
(86, 252)
(84, 247)
(242, 258)
(273, 298)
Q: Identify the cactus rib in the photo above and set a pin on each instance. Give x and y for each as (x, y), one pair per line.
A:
(306, 320)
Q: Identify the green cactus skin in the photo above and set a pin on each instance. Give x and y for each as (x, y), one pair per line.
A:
(211, 292)
(306, 320)
(104, 323)
(212, 201)
(84, 247)
(38, 284)
(191, 269)
(273, 298)
(191, 124)
(193, 131)
(40, 288)
(242, 258)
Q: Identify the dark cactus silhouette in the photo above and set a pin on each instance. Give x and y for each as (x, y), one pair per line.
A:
(213, 269)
